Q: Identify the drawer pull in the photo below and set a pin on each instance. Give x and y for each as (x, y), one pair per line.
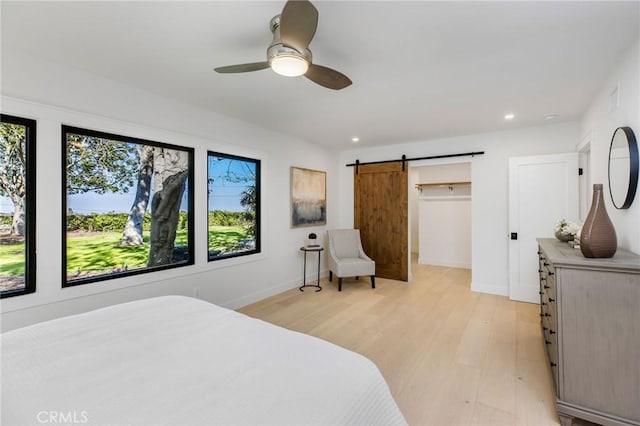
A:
(541, 293)
(545, 328)
(543, 303)
(546, 286)
(547, 342)
(547, 315)
(545, 263)
(553, 364)
(550, 273)
(551, 331)
(551, 300)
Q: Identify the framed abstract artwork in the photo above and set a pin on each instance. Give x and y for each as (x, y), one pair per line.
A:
(308, 197)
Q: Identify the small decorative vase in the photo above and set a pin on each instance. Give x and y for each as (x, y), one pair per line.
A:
(564, 237)
(598, 238)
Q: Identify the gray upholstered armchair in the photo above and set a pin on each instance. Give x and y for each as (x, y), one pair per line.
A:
(347, 258)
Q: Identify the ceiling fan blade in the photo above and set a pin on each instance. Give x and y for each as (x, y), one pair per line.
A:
(327, 77)
(298, 23)
(254, 66)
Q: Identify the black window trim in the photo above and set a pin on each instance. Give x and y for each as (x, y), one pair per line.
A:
(190, 214)
(30, 205)
(258, 248)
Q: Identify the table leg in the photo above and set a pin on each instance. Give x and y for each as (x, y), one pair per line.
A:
(304, 272)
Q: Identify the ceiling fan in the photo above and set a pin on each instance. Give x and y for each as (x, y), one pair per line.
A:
(289, 53)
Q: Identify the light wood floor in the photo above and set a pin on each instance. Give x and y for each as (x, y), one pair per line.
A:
(450, 356)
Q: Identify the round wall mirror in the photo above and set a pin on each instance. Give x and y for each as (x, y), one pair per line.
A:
(623, 167)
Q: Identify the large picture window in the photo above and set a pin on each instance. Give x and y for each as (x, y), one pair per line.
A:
(17, 206)
(128, 206)
(234, 205)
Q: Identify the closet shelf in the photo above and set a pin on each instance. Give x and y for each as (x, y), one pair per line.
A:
(443, 197)
(442, 184)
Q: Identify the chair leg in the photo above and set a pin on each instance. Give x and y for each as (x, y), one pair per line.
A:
(339, 283)
(373, 281)
(330, 276)
(357, 277)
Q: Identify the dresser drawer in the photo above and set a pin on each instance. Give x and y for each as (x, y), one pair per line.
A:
(551, 284)
(549, 325)
(547, 275)
(547, 312)
(550, 341)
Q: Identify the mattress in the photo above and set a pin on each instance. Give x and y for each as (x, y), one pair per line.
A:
(180, 361)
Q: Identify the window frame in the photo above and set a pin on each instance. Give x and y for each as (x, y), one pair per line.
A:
(65, 129)
(30, 205)
(258, 225)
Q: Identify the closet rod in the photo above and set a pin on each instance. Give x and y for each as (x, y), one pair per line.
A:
(404, 159)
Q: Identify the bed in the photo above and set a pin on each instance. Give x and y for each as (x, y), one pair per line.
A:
(181, 361)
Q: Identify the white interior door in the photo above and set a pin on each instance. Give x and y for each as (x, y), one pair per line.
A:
(542, 189)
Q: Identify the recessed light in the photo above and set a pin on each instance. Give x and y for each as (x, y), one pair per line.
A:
(509, 116)
(355, 139)
(551, 116)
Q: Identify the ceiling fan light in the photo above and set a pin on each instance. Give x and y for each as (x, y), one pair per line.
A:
(289, 65)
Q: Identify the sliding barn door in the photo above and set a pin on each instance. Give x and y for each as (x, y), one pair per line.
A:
(380, 212)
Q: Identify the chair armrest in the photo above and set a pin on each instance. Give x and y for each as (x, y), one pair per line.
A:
(363, 255)
(333, 260)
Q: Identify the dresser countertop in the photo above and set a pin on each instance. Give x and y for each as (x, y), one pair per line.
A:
(563, 255)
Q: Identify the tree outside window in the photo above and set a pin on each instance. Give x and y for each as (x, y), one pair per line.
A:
(17, 205)
(233, 185)
(128, 206)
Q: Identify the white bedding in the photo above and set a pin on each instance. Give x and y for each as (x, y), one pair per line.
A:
(178, 360)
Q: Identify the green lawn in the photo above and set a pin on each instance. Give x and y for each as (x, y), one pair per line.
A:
(102, 252)
(226, 238)
(12, 259)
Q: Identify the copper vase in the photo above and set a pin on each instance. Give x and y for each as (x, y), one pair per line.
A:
(598, 237)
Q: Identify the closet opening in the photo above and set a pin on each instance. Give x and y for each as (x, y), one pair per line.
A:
(440, 214)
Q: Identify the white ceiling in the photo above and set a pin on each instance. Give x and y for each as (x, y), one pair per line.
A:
(421, 70)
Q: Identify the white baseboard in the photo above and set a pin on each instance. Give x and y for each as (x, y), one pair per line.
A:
(272, 291)
(489, 288)
(445, 263)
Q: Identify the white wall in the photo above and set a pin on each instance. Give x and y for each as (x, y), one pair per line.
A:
(489, 174)
(597, 127)
(413, 209)
(445, 173)
(445, 231)
(444, 215)
(53, 94)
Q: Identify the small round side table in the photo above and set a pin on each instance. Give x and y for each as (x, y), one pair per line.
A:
(306, 250)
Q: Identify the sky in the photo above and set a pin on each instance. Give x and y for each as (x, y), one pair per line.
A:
(6, 206)
(225, 192)
(230, 178)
